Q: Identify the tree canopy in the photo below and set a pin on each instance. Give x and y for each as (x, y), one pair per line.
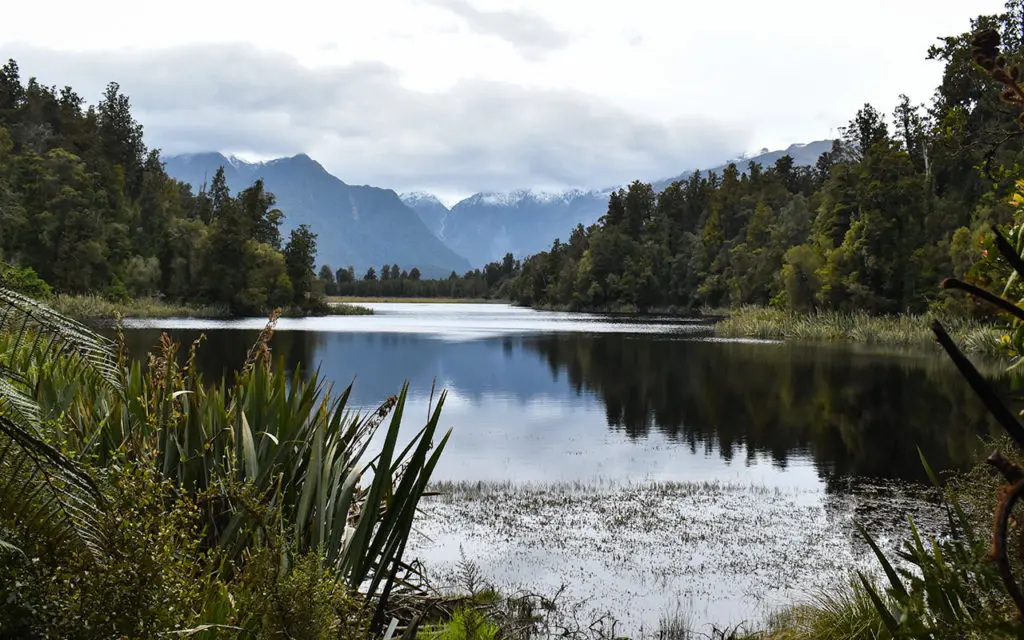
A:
(86, 207)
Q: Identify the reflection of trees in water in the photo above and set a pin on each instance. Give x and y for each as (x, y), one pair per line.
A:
(223, 351)
(855, 413)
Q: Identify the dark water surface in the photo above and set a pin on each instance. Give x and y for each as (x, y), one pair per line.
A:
(539, 396)
(652, 468)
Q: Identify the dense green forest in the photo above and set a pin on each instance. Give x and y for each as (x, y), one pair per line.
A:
(897, 205)
(85, 207)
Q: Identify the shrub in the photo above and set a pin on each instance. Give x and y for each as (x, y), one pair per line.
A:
(149, 503)
(25, 281)
(151, 583)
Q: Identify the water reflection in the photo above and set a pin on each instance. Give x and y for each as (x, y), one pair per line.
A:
(855, 412)
(538, 405)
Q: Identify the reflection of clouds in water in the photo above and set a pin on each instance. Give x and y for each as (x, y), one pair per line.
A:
(624, 398)
(551, 440)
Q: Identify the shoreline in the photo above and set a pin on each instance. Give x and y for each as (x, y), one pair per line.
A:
(751, 322)
(632, 311)
(94, 308)
(835, 327)
(823, 327)
(411, 300)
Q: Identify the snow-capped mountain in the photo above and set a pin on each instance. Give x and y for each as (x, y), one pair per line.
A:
(519, 196)
(429, 209)
(486, 226)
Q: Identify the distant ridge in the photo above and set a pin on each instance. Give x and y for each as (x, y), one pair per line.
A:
(487, 225)
(803, 155)
(363, 226)
(367, 226)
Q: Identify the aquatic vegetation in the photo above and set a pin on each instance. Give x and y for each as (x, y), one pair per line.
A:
(347, 309)
(642, 550)
(838, 326)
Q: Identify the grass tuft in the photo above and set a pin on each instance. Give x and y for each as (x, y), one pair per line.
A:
(95, 307)
(844, 614)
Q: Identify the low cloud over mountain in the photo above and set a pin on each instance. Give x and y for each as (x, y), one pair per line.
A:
(363, 123)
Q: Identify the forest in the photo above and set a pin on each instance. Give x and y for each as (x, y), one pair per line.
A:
(897, 205)
(85, 207)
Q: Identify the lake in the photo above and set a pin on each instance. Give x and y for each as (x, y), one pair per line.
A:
(648, 465)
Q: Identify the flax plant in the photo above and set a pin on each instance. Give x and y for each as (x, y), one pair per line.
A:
(344, 488)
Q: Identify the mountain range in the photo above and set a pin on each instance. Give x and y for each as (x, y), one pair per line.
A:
(361, 226)
(366, 226)
(485, 226)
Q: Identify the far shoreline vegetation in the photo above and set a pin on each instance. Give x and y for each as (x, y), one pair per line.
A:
(94, 308)
(411, 300)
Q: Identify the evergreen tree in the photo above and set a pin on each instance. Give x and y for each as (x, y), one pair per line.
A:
(299, 258)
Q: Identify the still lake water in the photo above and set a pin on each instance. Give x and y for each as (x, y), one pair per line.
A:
(611, 415)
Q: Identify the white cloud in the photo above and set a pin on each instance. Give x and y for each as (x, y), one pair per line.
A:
(466, 95)
(527, 32)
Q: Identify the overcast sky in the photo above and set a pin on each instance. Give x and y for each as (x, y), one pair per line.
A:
(459, 96)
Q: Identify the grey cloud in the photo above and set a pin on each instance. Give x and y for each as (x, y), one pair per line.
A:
(529, 33)
(364, 126)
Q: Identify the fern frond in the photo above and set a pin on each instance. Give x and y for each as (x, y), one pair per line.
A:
(16, 403)
(45, 494)
(40, 331)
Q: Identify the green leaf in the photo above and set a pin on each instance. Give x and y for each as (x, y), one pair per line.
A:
(249, 449)
(928, 469)
(894, 579)
(887, 618)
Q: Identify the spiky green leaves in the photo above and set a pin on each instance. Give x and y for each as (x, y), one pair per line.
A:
(41, 490)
